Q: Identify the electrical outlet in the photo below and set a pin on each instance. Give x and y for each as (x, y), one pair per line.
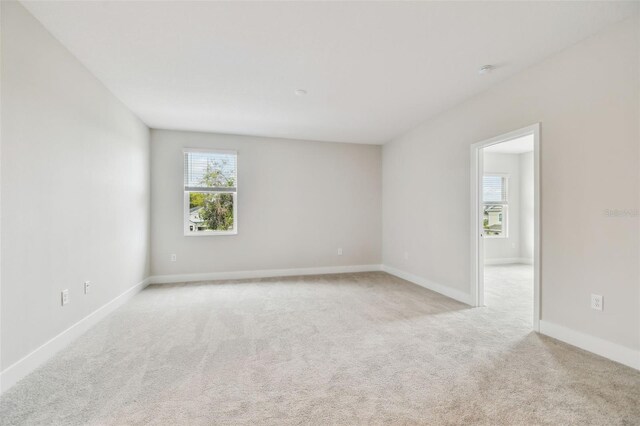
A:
(340, 251)
(406, 255)
(597, 302)
(174, 257)
(64, 297)
(87, 287)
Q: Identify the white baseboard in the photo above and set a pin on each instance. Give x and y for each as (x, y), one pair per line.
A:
(508, 261)
(262, 273)
(612, 351)
(12, 374)
(458, 295)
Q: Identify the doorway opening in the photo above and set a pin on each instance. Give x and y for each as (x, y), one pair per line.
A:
(505, 221)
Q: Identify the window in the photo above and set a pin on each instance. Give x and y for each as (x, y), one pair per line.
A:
(495, 205)
(210, 192)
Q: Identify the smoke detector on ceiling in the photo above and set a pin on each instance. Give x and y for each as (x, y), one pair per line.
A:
(486, 69)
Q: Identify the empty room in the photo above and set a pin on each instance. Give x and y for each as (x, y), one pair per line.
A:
(345, 213)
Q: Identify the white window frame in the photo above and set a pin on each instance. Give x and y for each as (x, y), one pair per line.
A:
(505, 207)
(186, 212)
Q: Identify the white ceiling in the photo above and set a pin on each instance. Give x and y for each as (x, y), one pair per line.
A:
(514, 146)
(372, 70)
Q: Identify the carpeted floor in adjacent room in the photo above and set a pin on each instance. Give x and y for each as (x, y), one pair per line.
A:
(349, 349)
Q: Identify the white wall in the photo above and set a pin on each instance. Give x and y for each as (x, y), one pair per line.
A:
(509, 247)
(75, 188)
(298, 201)
(587, 99)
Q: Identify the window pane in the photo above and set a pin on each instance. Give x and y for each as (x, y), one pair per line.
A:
(211, 211)
(494, 189)
(494, 220)
(209, 170)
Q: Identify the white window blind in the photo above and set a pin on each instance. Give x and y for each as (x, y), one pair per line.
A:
(210, 171)
(494, 190)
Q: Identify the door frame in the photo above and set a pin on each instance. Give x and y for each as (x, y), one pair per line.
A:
(477, 245)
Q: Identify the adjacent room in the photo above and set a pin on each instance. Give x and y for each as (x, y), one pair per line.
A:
(278, 213)
(508, 232)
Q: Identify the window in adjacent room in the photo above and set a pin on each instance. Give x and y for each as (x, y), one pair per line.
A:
(210, 192)
(494, 198)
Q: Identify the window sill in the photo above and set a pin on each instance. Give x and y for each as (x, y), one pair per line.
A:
(210, 233)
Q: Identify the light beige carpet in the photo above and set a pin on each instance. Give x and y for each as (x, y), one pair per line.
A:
(343, 349)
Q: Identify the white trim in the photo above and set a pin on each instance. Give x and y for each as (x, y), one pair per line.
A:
(477, 248)
(508, 261)
(213, 151)
(605, 348)
(1, 155)
(210, 233)
(261, 273)
(477, 251)
(12, 374)
(458, 295)
(537, 228)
